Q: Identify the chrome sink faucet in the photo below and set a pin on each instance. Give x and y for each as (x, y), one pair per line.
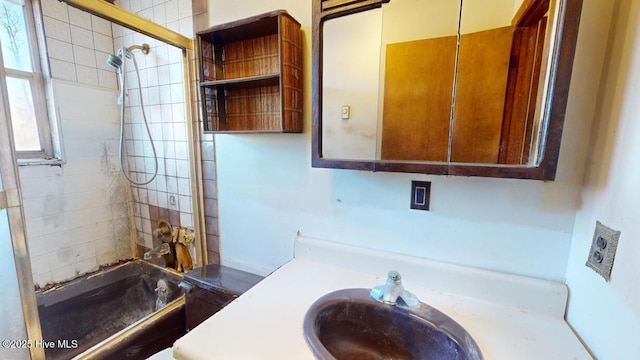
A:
(393, 291)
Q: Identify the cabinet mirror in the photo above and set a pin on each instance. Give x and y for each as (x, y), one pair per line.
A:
(475, 88)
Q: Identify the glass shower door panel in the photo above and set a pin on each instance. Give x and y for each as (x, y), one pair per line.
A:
(13, 333)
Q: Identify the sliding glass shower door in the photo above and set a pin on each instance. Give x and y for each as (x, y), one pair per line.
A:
(19, 324)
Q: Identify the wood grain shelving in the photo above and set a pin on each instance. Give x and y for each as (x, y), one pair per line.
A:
(251, 75)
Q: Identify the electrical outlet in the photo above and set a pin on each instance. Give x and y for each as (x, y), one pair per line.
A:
(603, 250)
(420, 195)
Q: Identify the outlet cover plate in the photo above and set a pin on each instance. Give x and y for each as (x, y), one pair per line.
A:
(603, 250)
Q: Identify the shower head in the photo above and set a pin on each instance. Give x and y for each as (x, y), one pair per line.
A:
(115, 61)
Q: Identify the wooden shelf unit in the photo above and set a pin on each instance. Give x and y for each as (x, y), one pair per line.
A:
(251, 74)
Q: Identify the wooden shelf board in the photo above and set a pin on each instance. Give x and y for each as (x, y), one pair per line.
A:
(250, 81)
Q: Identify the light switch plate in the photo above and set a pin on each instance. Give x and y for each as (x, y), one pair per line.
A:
(420, 195)
(603, 250)
(345, 112)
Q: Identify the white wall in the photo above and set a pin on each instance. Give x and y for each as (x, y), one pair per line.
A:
(351, 53)
(268, 191)
(607, 315)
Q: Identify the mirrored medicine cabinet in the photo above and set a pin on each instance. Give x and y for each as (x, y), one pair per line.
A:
(468, 88)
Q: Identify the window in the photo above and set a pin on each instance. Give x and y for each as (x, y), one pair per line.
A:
(22, 82)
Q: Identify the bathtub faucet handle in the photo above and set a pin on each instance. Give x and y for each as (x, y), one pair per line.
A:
(186, 286)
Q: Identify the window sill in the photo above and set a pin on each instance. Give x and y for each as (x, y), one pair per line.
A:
(36, 162)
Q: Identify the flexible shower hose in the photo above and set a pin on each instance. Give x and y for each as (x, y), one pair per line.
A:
(125, 54)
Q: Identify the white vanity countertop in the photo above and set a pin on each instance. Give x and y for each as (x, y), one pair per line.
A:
(510, 317)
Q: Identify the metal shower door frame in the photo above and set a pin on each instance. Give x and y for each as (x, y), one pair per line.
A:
(11, 200)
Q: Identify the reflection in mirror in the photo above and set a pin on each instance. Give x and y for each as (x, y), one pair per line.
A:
(498, 94)
(418, 59)
(352, 50)
(415, 95)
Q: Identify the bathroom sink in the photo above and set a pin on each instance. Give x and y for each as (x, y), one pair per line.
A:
(349, 324)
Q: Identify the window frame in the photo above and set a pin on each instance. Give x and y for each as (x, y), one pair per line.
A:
(36, 79)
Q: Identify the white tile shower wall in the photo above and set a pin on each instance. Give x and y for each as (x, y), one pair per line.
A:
(77, 214)
(78, 44)
(161, 85)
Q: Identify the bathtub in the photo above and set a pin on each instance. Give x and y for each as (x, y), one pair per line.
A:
(112, 314)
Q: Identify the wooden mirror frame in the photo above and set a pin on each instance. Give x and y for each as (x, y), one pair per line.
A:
(556, 97)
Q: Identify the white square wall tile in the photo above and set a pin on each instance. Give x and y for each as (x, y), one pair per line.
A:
(165, 110)
(169, 150)
(144, 211)
(185, 203)
(159, 14)
(55, 9)
(156, 133)
(153, 198)
(107, 257)
(172, 185)
(40, 264)
(186, 219)
(116, 30)
(161, 183)
(184, 186)
(162, 55)
(146, 4)
(146, 226)
(177, 93)
(41, 279)
(167, 133)
(63, 70)
(171, 8)
(184, 9)
(144, 195)
(178, 111)
(56, 29)
(154, 99)
(84, 56)
(108, 79)
(186, 27)
(162, 200)
(179, 133)
(37, 245)
(135, 5)
(87, 75)
(84, 251)
(60, 50)
(182, 169)
(175, 73)
(86, 265)
(101, 26)
(175, 54)
(170, 168)
(182, 150)
(152, 76)
(79, 18)
(163, 75)
(147, 241)
(103, 43)
(150, 165)
(82, 37)
(147, 14)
